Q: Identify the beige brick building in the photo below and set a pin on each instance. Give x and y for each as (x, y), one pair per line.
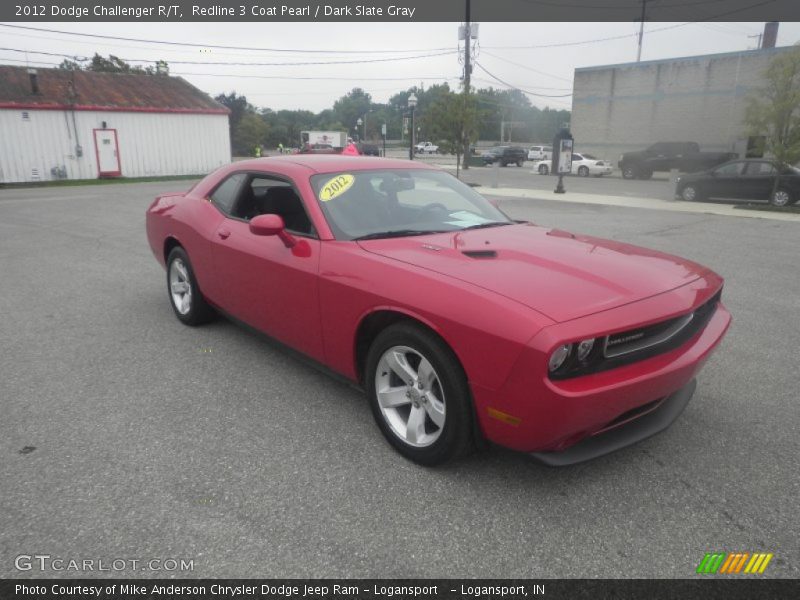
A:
(618, 108)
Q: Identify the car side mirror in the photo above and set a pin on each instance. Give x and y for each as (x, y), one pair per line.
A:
(272, 225)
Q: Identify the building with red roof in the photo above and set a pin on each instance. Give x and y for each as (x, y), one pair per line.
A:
(62, 124)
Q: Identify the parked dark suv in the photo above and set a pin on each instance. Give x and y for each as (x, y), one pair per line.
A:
(505, 155)
(665, 156)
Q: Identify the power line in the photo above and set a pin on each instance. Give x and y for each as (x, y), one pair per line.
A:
(279, 77)
(242, 64)
(521, 66)
(219, 47)
(629, 35)
(482, 68)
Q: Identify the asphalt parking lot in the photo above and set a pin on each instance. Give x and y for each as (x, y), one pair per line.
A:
(126, 435)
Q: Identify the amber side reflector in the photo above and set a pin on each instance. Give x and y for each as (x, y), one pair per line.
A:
(504, 417)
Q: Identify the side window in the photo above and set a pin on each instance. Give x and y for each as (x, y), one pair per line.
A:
(267, 196)
(224, 196)
(760, 169)
(731, 169)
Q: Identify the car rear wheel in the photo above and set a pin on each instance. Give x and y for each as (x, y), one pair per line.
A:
(419, 395)
(781, 197)
(543, 170)
(690, 193)
(629, 173)
(520, 162)
(583, 171)
(188, 303)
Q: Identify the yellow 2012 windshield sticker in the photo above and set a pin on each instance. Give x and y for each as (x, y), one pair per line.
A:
(336, 187)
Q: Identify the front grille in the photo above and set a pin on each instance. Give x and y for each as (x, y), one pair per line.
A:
(644, 342)
(633, 345)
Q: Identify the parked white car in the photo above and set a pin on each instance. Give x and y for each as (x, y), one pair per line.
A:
(582, 164)
(426, 148)
(540, 153)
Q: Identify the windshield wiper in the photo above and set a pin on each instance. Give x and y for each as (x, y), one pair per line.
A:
(490, 224)
(395, 233)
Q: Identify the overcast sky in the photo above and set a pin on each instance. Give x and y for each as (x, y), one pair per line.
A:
(546, 71)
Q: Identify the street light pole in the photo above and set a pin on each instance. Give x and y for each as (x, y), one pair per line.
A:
(358, 124)
(412, 104)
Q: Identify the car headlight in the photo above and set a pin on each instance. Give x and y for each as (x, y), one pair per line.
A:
(559, 357)
(584, 348)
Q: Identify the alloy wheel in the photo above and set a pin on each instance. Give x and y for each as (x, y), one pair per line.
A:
(410, 396)
(180, 286)
(781, 198)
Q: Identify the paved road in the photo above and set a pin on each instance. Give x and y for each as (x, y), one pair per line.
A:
(154, 440)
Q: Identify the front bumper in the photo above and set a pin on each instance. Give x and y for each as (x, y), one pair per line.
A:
(626, 433)
(532, 413)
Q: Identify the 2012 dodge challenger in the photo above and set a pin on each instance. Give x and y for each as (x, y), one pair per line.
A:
(463, 325)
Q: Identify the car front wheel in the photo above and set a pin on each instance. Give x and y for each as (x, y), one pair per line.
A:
(419, 395)
(629, 173)
(781, 197)
(690, 193)
(543, 170)
(188, 303)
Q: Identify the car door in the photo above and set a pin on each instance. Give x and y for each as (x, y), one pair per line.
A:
(577, 161)
(758, 180)
(266, 284)
(726, 180)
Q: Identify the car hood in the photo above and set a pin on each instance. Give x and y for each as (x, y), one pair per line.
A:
(558, 274)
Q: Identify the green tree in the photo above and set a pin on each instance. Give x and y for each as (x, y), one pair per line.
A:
(251, 131)
(239, 107)
(112, 64)
(452, 119)
(352, 106)
(775, 111)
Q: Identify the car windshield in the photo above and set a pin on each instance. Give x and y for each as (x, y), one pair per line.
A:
(393, 203)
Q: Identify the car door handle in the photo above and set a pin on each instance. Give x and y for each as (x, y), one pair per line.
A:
(223, 233)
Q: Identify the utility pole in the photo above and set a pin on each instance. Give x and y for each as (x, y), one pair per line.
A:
(759, 36)
(641, 30)
(467, 72)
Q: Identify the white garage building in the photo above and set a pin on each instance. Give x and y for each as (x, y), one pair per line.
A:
(59, 124)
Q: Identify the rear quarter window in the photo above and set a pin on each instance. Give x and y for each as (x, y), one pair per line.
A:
(224, 196)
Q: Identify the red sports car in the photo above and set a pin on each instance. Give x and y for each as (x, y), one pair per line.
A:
(462, 324)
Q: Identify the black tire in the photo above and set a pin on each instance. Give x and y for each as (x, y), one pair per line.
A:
(520, 162)
(455, 436)
(782, 197)
(583, 171)
(199, 311)
(543, 170)
(691, 193)
(629, 172)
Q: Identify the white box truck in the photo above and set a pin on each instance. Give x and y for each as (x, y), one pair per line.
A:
(335, 139)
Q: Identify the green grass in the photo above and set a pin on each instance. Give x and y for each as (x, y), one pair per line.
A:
(108, 181)
(768, 207)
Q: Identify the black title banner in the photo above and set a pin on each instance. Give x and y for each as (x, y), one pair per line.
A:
(397, 10)
(384, 589)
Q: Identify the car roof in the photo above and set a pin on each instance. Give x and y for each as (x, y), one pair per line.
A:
(330, 163)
